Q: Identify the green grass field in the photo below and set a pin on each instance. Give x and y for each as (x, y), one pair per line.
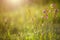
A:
(31, 23)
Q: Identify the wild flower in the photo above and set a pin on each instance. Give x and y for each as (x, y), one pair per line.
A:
(53, 5)
(44, 11)
(56, 10)
(55, 13)
(46, 16)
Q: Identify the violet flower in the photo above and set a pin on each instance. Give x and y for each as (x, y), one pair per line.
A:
(46, 16)
(44, 11)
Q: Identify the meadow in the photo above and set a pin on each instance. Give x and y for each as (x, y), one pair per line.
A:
(31, 23)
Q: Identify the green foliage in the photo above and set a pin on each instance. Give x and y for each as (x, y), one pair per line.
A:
(32, 24)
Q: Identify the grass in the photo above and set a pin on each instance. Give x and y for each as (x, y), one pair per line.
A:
(29, 23)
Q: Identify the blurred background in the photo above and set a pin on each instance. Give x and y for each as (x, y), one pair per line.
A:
(29, 19)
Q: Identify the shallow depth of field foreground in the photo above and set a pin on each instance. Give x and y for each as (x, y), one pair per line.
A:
(29, 20)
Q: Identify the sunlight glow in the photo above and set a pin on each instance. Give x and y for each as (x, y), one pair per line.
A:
(14, 2)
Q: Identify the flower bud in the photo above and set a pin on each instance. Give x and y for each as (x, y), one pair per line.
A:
(44, 11)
